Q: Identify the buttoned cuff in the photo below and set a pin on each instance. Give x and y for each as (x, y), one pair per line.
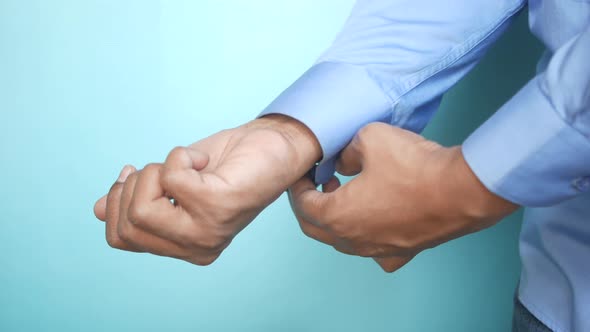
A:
(528, 154)
(334, 101)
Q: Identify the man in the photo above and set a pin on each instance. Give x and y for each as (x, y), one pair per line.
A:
(391, 65)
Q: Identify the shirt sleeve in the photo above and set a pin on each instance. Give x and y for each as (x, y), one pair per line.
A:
(392, 62)
(535, 151)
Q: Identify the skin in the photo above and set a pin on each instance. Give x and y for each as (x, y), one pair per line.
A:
(410, 194)
(219, 185)
(415, 194)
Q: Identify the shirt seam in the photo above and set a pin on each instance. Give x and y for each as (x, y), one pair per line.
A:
(454, 55)
(542, 90)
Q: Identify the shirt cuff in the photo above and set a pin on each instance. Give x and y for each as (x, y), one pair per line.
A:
(528, 154)
(334, 101)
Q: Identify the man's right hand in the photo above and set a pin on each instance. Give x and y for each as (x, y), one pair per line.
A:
(218, 186)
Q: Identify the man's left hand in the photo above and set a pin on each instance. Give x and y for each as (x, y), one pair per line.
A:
(410, 194)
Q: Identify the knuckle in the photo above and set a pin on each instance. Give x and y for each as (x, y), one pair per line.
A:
(176, 151)
(364, 132)
(152, 167)
(212, 243)
(370, 131)
(345, 250)
(205, 236)
(127, 187)
(365, 252)
(176, 154)
(422, 242)
(387, 268)
(375, 127)
(407, 243)
(371, 251)
(305, 229)
(116, 186)
(114, 241)
(203, 260)
(133, 175)
(137, 213)
(168, 178)
(361, 249)
(126, 233)
(367, 130)
(321, 205)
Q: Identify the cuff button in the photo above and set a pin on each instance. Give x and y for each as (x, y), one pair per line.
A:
(582, 184)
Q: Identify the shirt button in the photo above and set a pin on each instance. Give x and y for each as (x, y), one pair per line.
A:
(582, 184)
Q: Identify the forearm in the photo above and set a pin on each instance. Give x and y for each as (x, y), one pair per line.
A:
(469, 196)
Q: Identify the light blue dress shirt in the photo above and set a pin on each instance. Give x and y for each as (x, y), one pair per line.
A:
(393, 61)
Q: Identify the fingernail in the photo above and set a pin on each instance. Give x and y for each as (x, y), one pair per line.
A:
(128, 169)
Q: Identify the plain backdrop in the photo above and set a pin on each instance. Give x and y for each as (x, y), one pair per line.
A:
(88, 86)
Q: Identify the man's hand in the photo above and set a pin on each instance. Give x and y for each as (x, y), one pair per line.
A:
(410, 194)
(193, 205)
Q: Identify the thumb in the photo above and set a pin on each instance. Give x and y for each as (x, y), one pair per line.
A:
(199, 158)
(186, 158)
(314, 206)
(100, 208)
(180, 174)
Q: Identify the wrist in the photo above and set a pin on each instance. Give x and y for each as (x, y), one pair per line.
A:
(302, 147)
(474, 200)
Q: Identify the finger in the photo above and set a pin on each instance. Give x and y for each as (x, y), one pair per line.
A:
(126, 194)
(178, 176)
(312, 205)
(391, 264)
(147, 242)
(312, 231)
(331, 185)
(180, 180)
(350, 161)
(309, 229)
(112, 210)
(136, 237)
(100, 208)
(153, 212)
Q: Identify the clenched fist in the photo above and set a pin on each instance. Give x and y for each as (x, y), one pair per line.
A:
(193, 205)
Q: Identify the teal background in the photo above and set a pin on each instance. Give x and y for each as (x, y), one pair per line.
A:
(87, 86)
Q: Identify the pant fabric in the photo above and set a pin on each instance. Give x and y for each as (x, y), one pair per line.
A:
(524, 321)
